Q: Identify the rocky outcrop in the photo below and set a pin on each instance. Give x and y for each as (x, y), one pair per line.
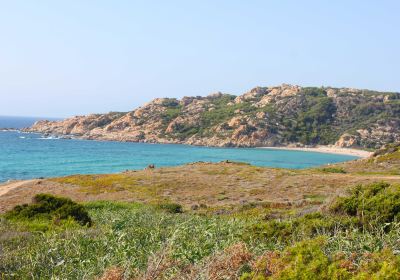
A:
(346, 141)
(264, 116)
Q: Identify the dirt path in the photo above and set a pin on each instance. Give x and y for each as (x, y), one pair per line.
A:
(383, 177)
(5, 188)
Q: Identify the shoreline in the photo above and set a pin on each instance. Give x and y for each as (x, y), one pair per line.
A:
(326, 150)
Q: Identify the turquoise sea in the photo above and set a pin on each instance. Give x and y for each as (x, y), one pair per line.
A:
(26, 156)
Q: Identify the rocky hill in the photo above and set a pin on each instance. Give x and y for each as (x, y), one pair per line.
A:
(264, 116)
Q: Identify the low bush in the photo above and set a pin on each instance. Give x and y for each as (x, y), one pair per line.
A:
(375, 204)
(333, 170)
(372, 206)
(382, 265)
(47, 207)
(309, 226)
(173, 208)
(308, 260)
(388, 149)
(305, 260)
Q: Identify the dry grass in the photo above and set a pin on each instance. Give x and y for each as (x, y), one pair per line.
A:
(227, 264)
(212, 184)
(381, 165)
(113, 273)
(223, 265)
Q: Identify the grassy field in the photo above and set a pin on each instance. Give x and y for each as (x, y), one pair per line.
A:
(217, 185)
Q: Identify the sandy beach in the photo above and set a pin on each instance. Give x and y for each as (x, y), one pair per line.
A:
(327, 150)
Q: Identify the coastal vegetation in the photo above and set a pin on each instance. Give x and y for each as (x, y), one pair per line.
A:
(46, 209)
(347, 240)
(333, 169)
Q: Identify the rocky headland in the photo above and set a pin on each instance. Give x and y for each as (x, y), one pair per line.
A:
(286, 115)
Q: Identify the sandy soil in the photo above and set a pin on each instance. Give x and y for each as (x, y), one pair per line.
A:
(5, 188)
(327, 150)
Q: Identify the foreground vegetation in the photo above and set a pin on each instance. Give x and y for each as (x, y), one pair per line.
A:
(354, 237)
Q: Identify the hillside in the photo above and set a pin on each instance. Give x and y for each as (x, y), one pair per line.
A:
(383, 161)
(264, 116)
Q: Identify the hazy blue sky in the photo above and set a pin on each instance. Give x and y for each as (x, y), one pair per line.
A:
(61, 58)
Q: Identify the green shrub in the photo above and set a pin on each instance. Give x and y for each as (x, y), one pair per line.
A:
(221, 112)
(183, 131)
(309, 226)
(388, 149)
(314, 91)
(170, 102)
(333, 170)
(311, 124)
(382, 265)
(390, 152)
(46, 206)
(374, 204)
(171, 113)
(305, 260)
(308, 260)
(173, 208)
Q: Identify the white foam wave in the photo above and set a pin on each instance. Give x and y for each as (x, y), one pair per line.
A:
(49, 138)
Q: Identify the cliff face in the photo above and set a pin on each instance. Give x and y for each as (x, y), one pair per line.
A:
(264, 116)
